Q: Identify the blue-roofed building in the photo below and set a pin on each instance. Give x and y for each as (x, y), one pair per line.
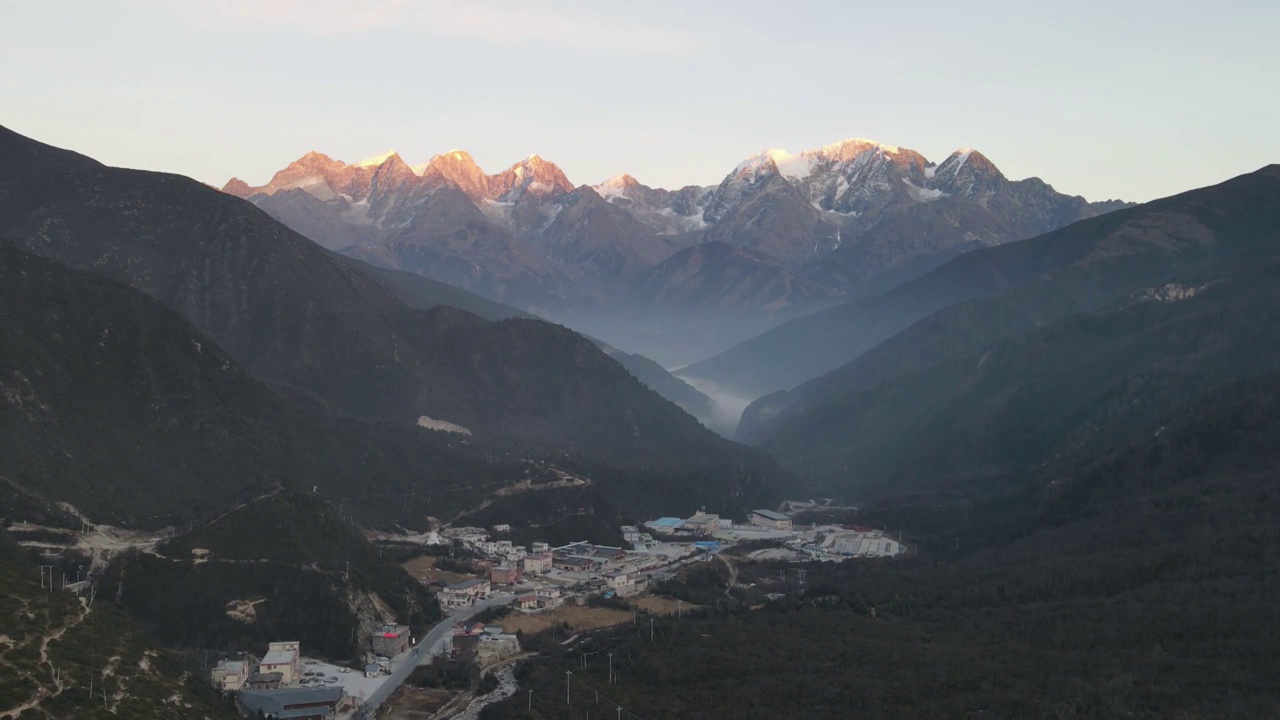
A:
(665, 525)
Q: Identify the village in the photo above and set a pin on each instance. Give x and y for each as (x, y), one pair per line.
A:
(515, 582)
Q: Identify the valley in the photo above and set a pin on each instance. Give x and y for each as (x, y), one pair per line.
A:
(853, 430)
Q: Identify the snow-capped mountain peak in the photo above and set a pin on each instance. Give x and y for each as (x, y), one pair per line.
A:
(453, 158)
(531, 175)
(616, 186)
(968, 172)
(376, 160)
(848, 148)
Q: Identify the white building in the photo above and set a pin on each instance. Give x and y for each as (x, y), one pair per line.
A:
(465, 593)
(623, 584)
(770, 519)
(282, 657)
(702, 523)
(536, 564)
(230, 675)
(870, 544)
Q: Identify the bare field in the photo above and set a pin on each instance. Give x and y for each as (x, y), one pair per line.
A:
(415, 703)
(425, 567)
(579, 618)
(660, 605)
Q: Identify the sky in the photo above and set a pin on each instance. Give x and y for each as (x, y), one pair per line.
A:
(1131, 100)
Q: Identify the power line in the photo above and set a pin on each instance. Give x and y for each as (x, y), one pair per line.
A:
(621, 711)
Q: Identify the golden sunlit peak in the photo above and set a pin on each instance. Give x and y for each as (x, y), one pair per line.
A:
(376, 160)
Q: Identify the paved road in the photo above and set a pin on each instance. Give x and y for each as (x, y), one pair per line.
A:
(429, 646)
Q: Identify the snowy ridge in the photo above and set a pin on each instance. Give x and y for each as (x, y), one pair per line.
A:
(614, 187)
(376, 160)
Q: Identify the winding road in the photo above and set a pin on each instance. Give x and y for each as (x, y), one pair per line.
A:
(430, 646)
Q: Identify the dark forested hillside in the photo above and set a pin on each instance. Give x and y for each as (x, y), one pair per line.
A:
(1136, 583)
(118, 406)
(96, 648)
(298, 317)
(280, 566)
(1063, 390)
(423, 293)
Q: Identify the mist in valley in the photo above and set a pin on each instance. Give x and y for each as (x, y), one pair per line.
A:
(727, 404)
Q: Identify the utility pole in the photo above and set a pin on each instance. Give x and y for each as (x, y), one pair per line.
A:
(530, 706)
(610, 668)
(567, 673)
(650, 629)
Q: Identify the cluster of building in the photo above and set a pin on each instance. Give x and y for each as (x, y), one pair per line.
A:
(703, 524)
(278, 667)
(580, 570)
(547, 577)
(280, 685)
(268, 687)
(855, 541)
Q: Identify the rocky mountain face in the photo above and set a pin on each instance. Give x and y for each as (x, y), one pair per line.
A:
(860, 216)
(836, 223)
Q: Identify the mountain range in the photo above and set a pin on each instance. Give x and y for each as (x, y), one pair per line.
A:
(675, 274)
(316, 326)
(1010, 357)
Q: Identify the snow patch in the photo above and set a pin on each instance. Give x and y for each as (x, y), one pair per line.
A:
(357, 213)
(1173, 292)
(613, 188)
(792, 167)
(441, 425)
(922, 194)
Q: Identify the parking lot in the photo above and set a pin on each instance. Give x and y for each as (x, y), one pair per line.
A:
(352, 681)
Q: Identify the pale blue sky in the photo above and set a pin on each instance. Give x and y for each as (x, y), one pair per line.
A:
(1105, 99)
